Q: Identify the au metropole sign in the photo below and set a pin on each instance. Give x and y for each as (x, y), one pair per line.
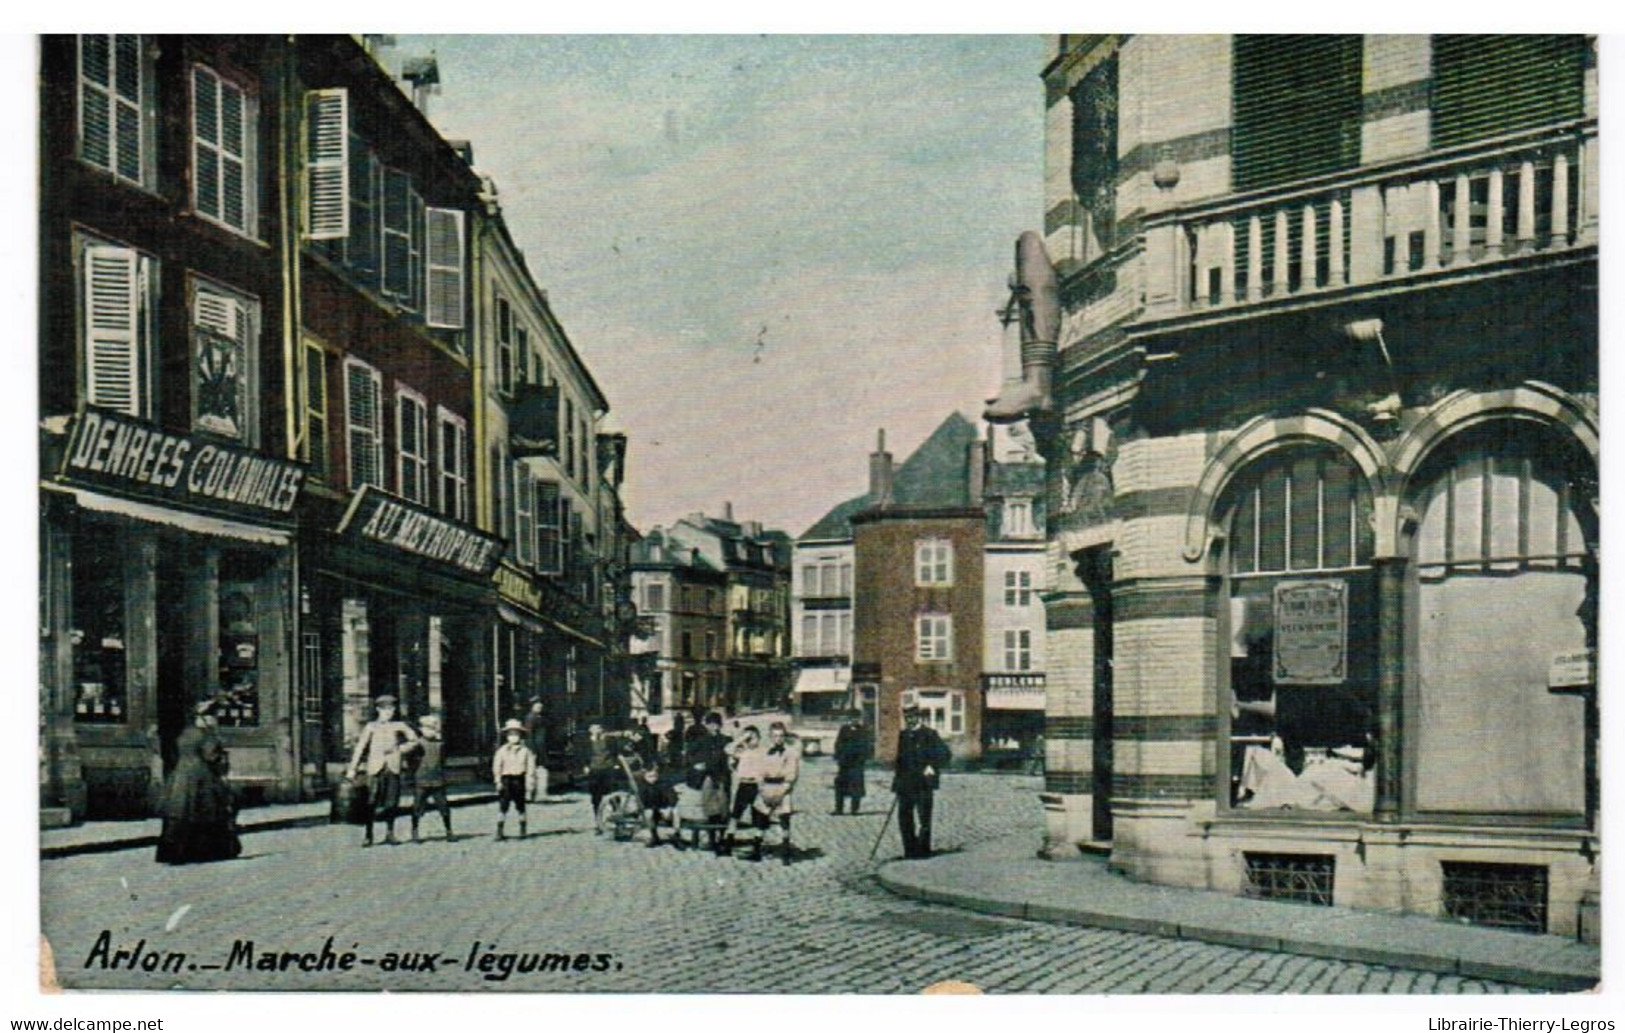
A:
(389, 520)
(107, 450)
(1311, 632)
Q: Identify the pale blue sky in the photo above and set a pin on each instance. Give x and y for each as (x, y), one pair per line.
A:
(765, 247)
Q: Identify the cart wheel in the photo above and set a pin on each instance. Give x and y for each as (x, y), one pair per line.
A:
(619, 810)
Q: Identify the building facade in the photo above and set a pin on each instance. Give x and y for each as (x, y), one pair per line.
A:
(277, 468)
(681, 597)
(167, 501)
(1309, 342)
(924, 591)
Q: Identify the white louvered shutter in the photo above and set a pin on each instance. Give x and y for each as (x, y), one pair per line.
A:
(524, 515)
(445, 273)
(363, 420)
(327, 206)
(220, 362)
(113, 292)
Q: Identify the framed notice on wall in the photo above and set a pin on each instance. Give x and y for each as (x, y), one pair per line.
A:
(1311, 633)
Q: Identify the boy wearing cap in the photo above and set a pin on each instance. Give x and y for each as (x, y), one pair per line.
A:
(380, 744)
(512, 768)
(427, 758)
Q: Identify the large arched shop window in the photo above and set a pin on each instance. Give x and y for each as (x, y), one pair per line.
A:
(1500, 561)
(1303, 639)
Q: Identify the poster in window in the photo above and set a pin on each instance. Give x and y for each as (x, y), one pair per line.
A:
(1311, 632)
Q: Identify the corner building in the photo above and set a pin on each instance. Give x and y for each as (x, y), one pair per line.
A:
(1320, 417)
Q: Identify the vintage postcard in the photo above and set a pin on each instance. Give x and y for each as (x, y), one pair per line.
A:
(806, 514)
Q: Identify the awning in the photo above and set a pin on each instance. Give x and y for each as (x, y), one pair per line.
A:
(196, 523)
(521, 619)
(822, 679)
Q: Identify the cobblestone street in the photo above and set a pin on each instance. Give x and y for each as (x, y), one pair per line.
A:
(629, 918)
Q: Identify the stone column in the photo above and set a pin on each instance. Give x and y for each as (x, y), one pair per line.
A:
(1391, 573)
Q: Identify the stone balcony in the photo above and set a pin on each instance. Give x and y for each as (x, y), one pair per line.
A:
(1472, 210)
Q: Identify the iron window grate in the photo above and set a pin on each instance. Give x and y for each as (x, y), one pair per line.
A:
(1505, 896)
(1303, 878)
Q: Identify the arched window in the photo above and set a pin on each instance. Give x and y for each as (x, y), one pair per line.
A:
(1501, 566)
(1302, 617)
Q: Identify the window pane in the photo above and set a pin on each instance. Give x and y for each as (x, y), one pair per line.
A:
(235, 212)
(129, 142)
(1241, 534)
(128, 68)
(1338, 486)
(1305, 513)
(208, 182)
(1272, 519)
(95, 59)
(206, 112)
(96, 143)
(231, 120)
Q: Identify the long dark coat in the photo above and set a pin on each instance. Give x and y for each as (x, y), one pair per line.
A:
(851, 754)
(197, 809)
(917, 749)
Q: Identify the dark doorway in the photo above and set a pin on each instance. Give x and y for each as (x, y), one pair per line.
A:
(1096, 571)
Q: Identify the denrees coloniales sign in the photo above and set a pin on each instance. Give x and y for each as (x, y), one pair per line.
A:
(113, 451)
(380, 517)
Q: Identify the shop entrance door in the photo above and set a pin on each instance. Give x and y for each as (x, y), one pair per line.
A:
(171, 698)
(1097, 578)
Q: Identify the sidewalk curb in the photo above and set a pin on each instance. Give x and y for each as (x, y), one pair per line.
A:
(1446, 964)
(146, 840)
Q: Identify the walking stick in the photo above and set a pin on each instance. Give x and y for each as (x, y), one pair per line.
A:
(883, 827)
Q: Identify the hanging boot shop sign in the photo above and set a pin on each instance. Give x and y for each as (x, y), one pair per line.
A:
(1311, 632)
(109, 451)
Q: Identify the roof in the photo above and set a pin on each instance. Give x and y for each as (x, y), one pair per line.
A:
(935, 476)
(656, 550)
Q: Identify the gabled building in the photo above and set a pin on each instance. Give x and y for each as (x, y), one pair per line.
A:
(1309, 342)
(681, 597)
(922, 592)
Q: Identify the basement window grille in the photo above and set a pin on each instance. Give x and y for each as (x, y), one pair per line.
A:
(1301, 878)
(1505, 896)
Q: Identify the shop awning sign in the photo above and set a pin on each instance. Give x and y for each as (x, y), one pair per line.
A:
(378, 516)
(1311, 632)
(106, 450)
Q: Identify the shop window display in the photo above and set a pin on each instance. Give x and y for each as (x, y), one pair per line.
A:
(1303, 637)
(239, 698)
(98, 632)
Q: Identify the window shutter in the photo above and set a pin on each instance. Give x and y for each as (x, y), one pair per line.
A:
(1485, 86)
(1297, 105)
(327, 207)
(524, 515)
(445, 285)
(548, 546)
(113, 328)
(363, 420)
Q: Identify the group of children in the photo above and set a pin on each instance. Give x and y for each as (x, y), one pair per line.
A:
(734, 779)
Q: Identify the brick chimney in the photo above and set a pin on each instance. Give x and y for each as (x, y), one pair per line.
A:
(728, 512)
(880, 473)
(975, 472)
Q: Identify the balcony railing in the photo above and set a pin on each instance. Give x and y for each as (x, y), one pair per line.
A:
(1467, 208)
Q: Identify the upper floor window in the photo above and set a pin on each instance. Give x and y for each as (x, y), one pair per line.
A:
(364, 423)
(1486, 86)
(1018, 588)
(551, 524)
(315, 444)
(225, 338)
(1018, 650)
(1094, 154)
(569, 438)
(656, 595)
(1018, 519)
(1296, 107)
(115, 106)
(524, 487)
(223, 144)
(117, 323)
(505, 342)
(933, 561)
(940, 709)
(934, 640)
(411, 445)
(377, 222)
(453, 464)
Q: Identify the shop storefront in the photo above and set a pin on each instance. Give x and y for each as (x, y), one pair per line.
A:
(394, 598)
(167, 582)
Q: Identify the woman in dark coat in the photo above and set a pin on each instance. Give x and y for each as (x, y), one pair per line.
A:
(199, 817)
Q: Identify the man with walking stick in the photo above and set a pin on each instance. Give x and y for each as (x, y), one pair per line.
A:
(921, 756)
